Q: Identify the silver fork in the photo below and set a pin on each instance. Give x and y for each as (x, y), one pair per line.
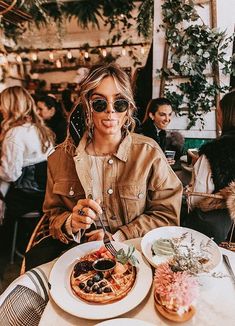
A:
(229, 267)
(106, 239)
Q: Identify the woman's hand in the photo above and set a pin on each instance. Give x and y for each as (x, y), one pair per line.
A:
(170, 161)
(84, 214)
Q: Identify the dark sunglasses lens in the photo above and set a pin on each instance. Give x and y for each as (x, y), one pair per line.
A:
(121, 105)
(99, 105)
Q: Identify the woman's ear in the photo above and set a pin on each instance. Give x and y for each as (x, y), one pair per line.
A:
(151, 116)
(52, 111)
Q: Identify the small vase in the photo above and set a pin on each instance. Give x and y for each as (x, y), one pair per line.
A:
(171, 314)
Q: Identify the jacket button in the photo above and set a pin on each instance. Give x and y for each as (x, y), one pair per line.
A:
(113, 218)
(110, 161)
(141, 195)
(110, 191)
(71, 192)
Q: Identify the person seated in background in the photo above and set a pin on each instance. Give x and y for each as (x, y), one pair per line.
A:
(52, 113)
(157, 117)
(24, 141)
(214, 172)
(110, 171)
(66, 101)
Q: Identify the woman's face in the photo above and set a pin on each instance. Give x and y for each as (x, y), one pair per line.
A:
(109, 122)
(44, 111)
(162, 116)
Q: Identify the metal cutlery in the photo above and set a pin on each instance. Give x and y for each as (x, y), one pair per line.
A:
(229, 267)
(106, 239)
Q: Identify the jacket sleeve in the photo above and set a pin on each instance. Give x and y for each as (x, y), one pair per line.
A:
(56, 209)
(163, 202)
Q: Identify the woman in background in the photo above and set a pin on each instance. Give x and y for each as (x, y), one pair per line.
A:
(24, 141)
(213, 172)
(51, 112)
(157, 118)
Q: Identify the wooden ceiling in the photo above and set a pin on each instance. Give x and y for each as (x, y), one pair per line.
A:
(13, 15)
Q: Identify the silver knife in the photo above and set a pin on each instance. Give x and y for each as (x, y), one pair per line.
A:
(229, 267)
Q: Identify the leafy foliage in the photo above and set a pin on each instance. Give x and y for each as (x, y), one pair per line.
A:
(123, 257)
(196, 50)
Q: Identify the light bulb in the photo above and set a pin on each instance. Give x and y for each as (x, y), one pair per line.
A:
(86, 54)
(18, 58)
(69, 55)
(123, 51)
(51, 55)
(104, 53)
(58, 63)
(34, 56)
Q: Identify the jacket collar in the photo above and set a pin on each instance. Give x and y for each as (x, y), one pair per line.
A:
(122, 152)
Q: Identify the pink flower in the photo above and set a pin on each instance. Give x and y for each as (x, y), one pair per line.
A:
(176, 289)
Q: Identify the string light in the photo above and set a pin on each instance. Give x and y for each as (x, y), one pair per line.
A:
(69, 54)
(51, 55)
(124, 51)
(104, 53)
(34, 56)
(18, 58)
(86, 55)
(58, 63)
(3, 59)
(142, 49)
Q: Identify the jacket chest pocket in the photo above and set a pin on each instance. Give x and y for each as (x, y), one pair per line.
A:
(69, 189)
(133, 199)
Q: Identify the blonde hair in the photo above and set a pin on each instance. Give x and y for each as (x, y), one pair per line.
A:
(18, 107)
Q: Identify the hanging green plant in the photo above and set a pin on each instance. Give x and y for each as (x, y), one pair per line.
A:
(194, 52)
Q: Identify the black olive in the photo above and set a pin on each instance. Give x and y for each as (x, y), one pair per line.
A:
(102, 284)
(95, 288)
(81, 285)
(87, 289)
(99, 291)
(90, 283)
(96, 278)
(107, 290)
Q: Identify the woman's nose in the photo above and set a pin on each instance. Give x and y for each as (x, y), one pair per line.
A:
(110, 107)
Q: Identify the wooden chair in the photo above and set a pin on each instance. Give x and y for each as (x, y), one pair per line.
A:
(41, 231)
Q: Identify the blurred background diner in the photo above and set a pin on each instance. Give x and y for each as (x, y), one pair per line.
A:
(48, 47)
(50, 110)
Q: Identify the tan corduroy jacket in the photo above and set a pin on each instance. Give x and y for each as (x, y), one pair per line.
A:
(141, 192)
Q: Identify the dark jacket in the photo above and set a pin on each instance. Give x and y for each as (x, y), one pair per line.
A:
(148, 129)
(221, 156)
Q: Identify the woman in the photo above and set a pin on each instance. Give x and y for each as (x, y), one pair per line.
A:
(212, 173)
(157, 118)
(24, 141)
(113, 172)
(51, 112)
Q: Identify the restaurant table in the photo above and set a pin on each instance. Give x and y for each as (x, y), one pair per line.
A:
(215, 305)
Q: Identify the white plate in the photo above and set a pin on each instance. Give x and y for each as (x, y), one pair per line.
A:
(168, 232)
(63, 296)
(124, 322)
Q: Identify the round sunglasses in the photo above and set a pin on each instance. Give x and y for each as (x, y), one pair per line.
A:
(100, 105)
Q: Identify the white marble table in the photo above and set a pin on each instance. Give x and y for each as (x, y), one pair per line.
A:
(216, 305)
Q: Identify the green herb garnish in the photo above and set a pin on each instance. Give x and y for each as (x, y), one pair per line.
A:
(123, 257)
